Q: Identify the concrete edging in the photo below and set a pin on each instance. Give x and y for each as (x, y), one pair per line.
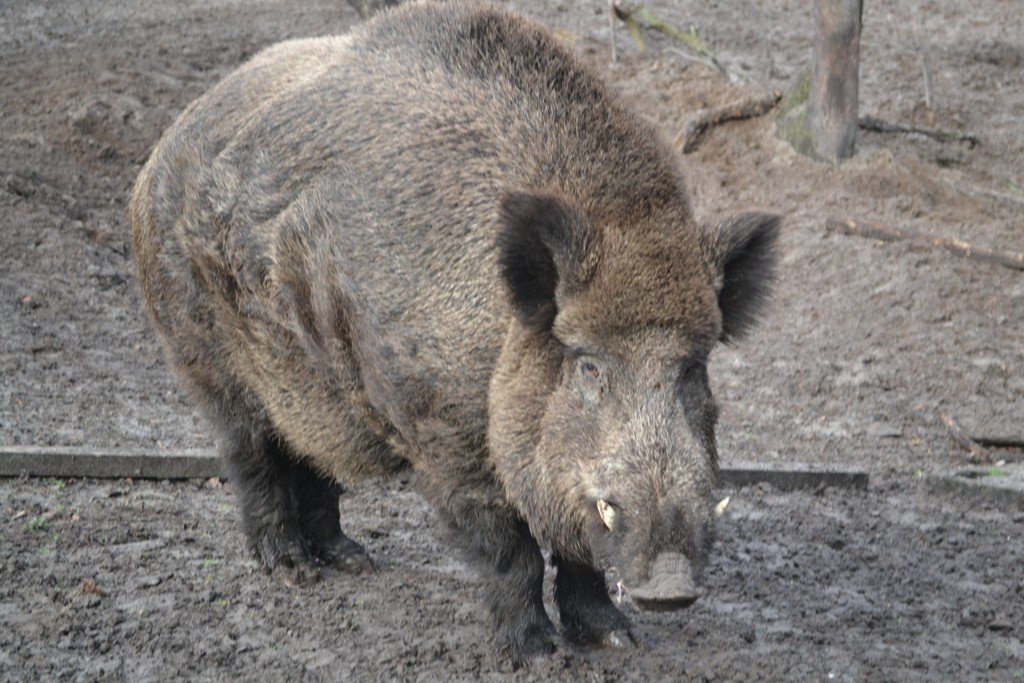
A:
(54, 461)
(791, 476)
(1003, 493)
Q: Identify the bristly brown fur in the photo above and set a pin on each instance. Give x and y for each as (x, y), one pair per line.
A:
(440, 242)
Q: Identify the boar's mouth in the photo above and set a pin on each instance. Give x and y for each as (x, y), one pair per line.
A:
(671, 587)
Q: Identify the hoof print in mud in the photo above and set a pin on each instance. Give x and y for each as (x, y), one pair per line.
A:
(491, 275)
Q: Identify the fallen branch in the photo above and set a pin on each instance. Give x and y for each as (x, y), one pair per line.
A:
(998, 440)
(689, 39)
(633, 26)
(879, 126)
(889, 234)
(703, 119)
(978, 454)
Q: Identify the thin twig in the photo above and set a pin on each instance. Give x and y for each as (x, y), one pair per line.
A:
(927, 175)
(985, 193)
(877, 125)
(634, 30)
(690, 57)
(691, 40)
(703, 119)
(978, 454)
(927, 83)
(611, 25)
(890, 234)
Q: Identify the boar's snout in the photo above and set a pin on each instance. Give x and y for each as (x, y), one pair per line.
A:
(671, 586)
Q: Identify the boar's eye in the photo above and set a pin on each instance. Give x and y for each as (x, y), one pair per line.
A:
(591, 380)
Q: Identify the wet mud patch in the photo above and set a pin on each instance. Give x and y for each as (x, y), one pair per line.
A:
(149, 580)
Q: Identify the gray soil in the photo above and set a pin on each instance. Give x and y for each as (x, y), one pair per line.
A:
(865, 345)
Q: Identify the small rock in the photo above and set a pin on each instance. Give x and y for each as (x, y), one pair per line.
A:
(110, 278)
(970, 619)
(19, 186)
(149, 581)
(881, 430)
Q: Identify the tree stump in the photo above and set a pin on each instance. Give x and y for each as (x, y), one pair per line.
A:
(820, 117)
(832, 105)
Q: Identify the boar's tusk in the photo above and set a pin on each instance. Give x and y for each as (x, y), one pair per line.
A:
(720, 508)
(607, 513)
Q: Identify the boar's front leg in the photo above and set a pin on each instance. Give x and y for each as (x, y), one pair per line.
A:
(587, 613)
(513, 573)
(500, 545)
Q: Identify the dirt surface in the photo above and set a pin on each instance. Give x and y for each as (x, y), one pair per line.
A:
(864, 346)
(145, 581)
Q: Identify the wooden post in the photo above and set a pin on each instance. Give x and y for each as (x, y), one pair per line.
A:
(832, 101)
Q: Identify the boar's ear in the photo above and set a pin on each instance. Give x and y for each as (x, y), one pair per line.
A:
(742, 248)
(545, 246)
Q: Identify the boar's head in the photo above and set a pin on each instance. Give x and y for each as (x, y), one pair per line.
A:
(602, 422)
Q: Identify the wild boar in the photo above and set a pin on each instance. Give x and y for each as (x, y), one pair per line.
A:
(441, 243)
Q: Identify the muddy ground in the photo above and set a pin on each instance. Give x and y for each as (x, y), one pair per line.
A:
(864, 346)
(146, 581)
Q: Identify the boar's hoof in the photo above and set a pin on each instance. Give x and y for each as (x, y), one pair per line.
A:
(298, 560)
(345, 555)
(277, 549)
(288, 561)
(619, 640)
(298, 575)
(521, 646)
(602, 625)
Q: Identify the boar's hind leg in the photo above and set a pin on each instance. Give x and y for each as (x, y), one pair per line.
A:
(289, 512)
(587, 613)
(320, 522)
